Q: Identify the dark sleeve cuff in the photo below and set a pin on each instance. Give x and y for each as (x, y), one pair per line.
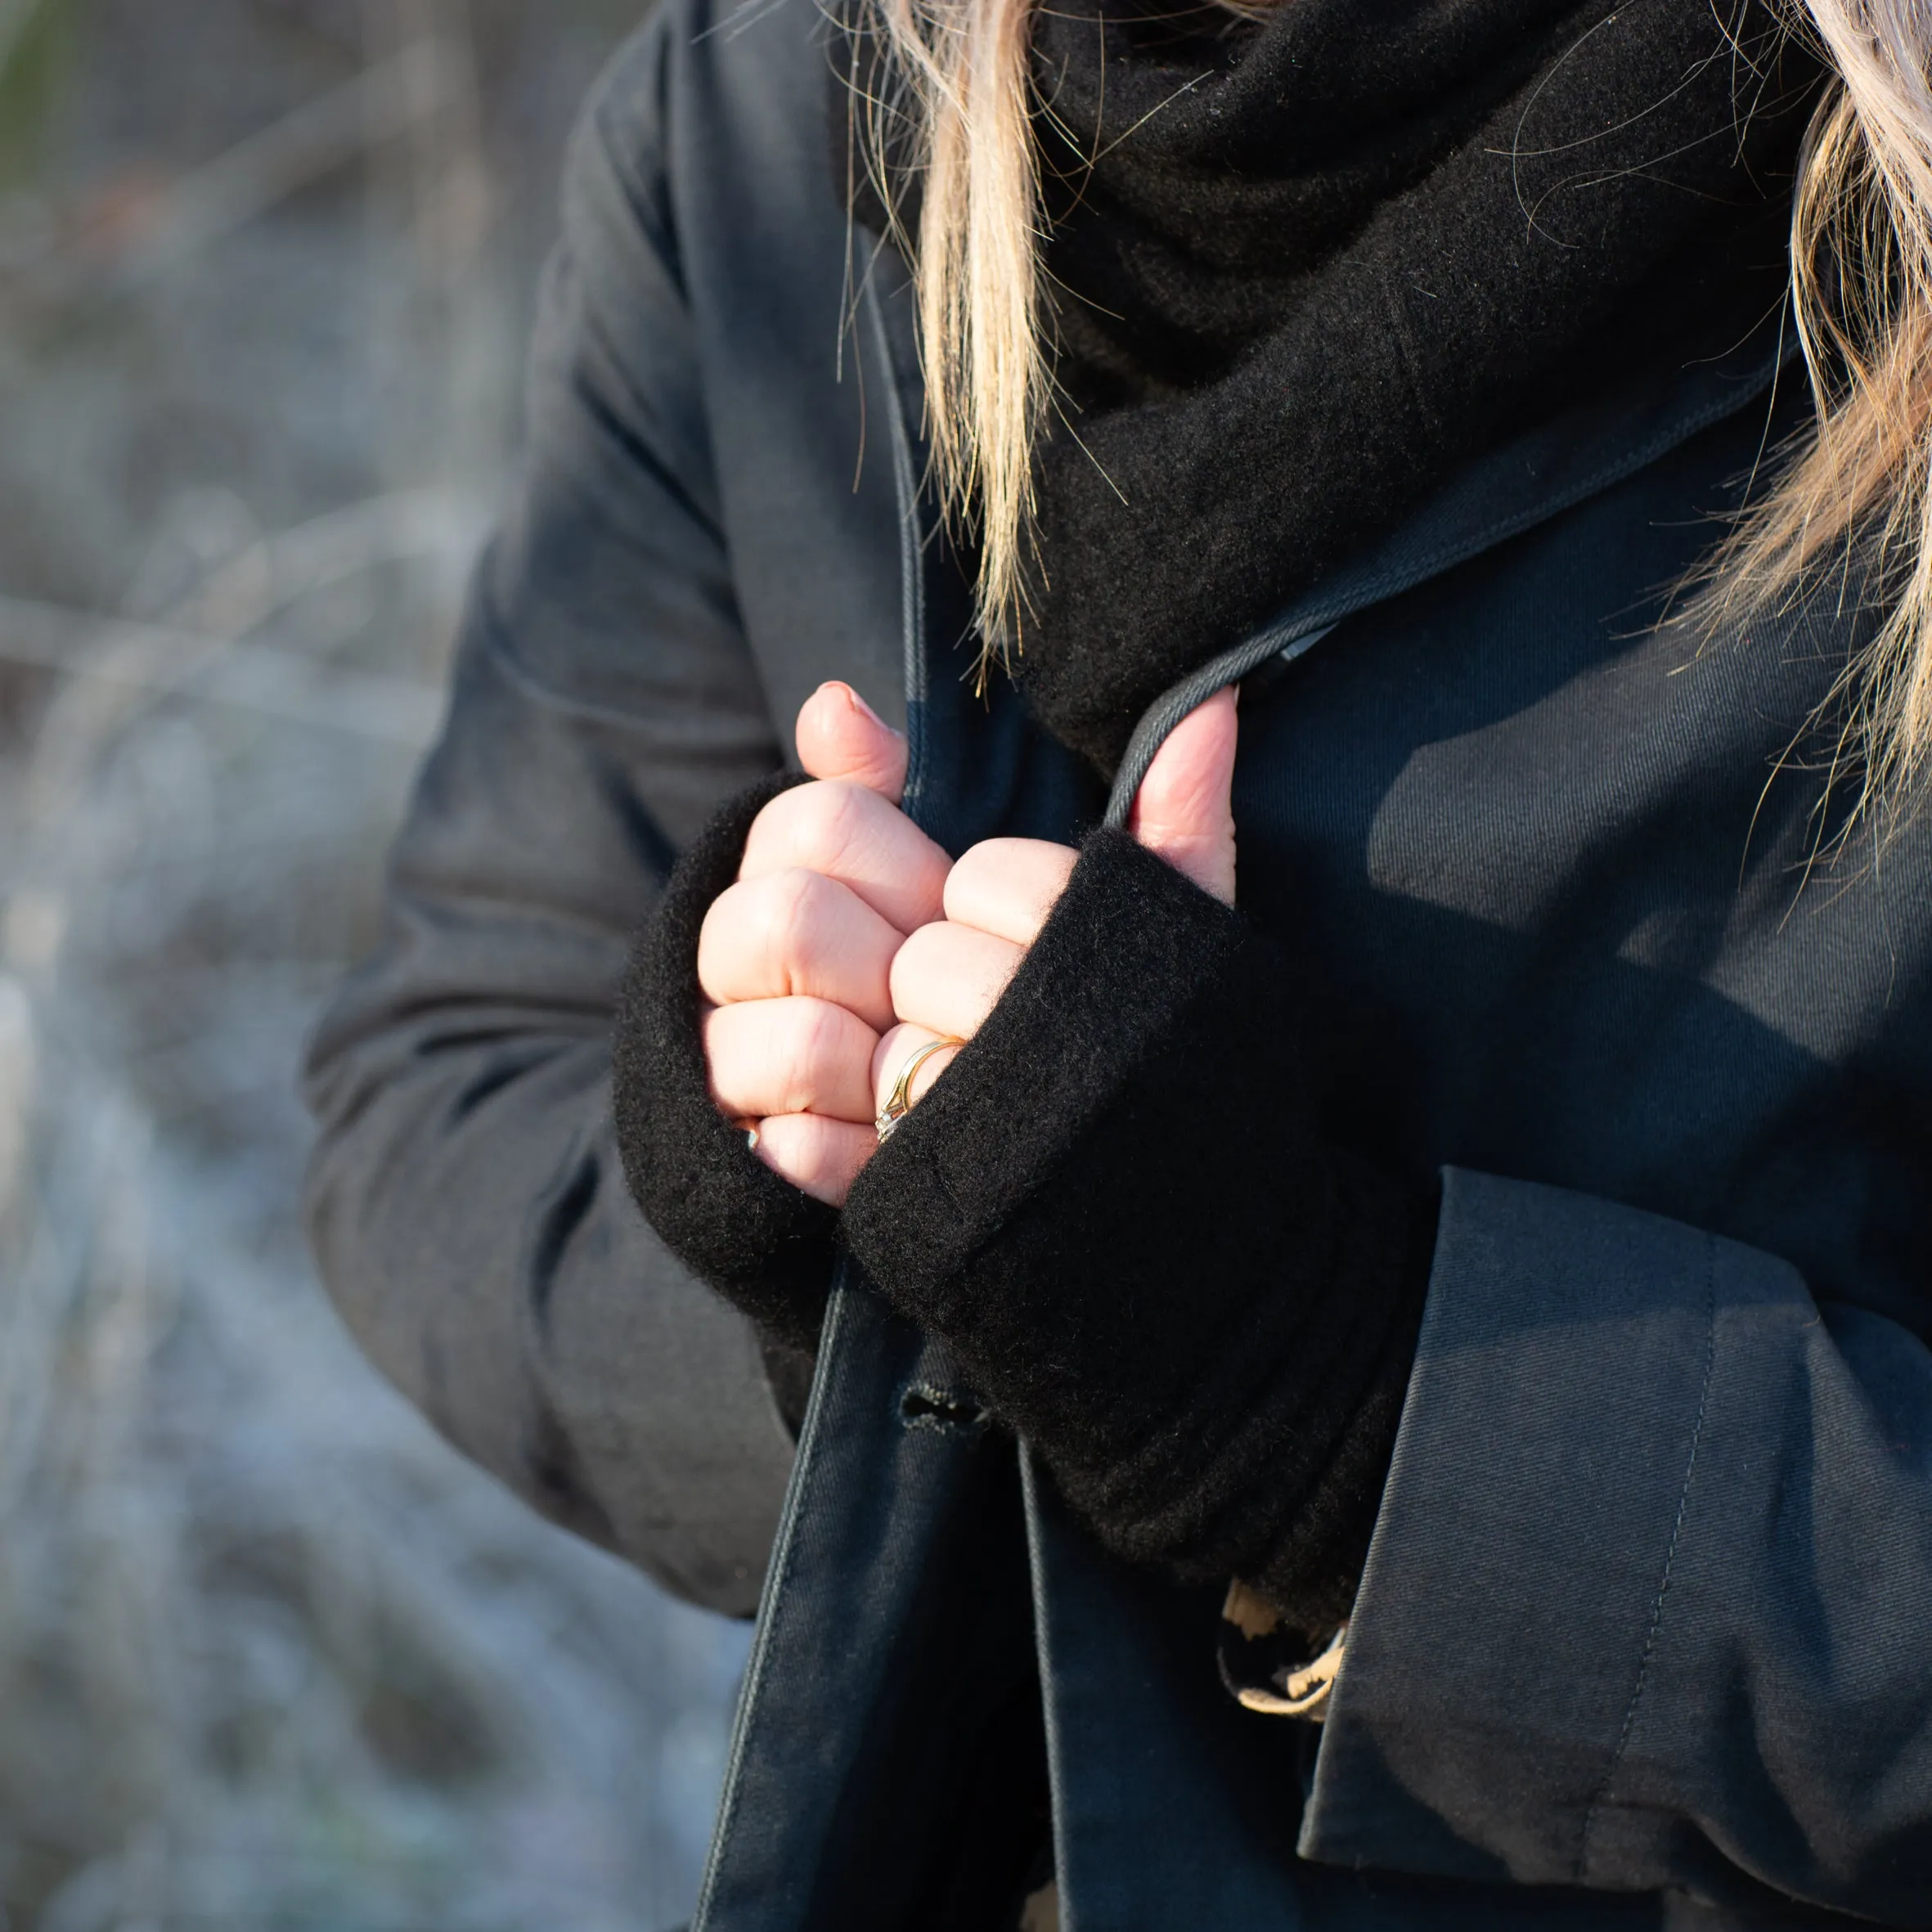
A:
(1645, 1608)
(765, 1245)
(1116, 1205)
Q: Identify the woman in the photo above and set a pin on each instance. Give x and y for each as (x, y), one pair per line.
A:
(1470, 1227)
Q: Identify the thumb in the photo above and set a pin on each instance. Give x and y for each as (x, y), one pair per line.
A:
(1184, 810)
(841, 736)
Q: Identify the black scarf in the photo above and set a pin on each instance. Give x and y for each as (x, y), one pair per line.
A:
(1315, 266)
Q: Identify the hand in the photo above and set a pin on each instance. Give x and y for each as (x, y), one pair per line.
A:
(796, 957)
(945, 978)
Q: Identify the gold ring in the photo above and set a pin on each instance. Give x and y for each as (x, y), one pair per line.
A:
(899, 1101)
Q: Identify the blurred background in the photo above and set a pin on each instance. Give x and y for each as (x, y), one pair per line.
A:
(270, 1656)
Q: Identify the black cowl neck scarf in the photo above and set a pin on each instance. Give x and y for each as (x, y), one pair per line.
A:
(1299, 272)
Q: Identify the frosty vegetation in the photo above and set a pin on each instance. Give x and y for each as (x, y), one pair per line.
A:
(271, 1657)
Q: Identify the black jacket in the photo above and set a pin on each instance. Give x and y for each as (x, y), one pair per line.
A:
(1647, 1611)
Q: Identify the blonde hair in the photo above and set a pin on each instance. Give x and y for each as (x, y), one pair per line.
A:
(1854, 498)
(963, 100)
(1855, 493)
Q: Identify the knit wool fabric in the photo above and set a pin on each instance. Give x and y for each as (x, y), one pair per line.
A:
(765, 1245)
(1117, 1208)
(1311, 268)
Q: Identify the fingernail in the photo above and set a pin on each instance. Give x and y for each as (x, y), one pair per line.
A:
(857, 703)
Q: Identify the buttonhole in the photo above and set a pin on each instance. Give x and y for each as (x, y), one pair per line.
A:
(922, 1406)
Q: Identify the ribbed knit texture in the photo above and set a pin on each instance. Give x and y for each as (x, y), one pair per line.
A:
(1117, 1207)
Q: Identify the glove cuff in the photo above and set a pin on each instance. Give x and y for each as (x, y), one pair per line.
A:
(766, 1246)
(1118, 1207)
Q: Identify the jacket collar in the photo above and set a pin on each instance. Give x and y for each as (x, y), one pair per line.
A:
(1538, 475)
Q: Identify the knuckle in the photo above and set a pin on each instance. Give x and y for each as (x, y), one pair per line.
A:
(814, 1049)
(928, 945)
(849, 815)
(830, 817)
(787, 907)
(926, 974)
(911, 965)
(978, 862)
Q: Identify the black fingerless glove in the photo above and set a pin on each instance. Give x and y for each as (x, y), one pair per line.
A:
(765, 1245)
(1117, 1207)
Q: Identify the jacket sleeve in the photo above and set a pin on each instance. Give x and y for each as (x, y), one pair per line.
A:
(1650, 1600)
(466, 1199)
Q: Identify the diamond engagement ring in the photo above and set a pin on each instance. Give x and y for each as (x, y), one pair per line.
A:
(899, 1101)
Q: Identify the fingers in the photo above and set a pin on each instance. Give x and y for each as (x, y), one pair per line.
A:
(1008, 886)
(789, 1056)
(889, 1061)
(1184, 810)
(804, 959)
(797, 953)
(852, 835)
(946, 977)
(821, 1156)
(840, 736)
(798, 932)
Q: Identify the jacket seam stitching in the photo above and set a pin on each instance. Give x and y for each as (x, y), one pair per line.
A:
(1602, 1796)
